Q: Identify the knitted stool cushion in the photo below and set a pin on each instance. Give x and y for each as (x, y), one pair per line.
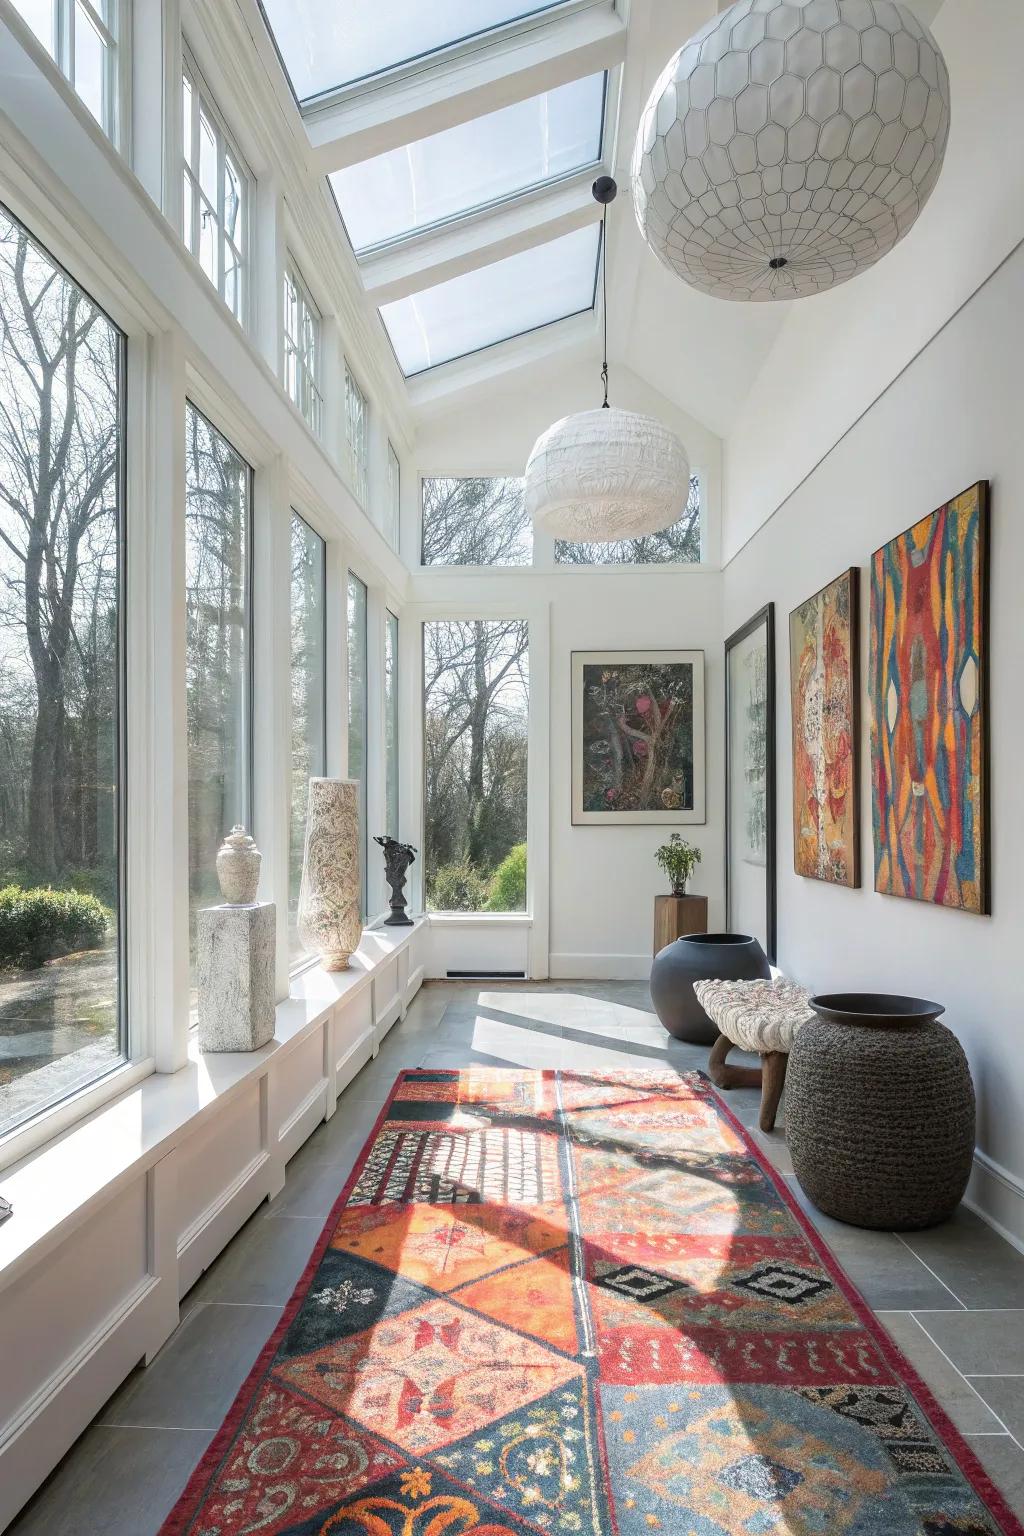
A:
(757, 1016)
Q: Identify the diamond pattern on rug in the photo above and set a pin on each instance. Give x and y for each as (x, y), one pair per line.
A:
(659, 1344)
(429, 1376)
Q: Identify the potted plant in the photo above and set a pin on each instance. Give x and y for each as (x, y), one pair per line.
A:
(678, 859)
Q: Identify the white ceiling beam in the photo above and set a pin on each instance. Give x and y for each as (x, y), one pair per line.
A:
(424, 260)
(360, 123)
(439, 385)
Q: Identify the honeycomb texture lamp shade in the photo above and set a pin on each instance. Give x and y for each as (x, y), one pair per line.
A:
(604, 475)
(790, 144)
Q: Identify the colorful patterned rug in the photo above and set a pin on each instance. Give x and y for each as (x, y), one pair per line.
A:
(578, 1303)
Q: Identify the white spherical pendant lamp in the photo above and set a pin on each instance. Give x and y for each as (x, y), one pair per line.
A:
(607, 474)
(790, 144)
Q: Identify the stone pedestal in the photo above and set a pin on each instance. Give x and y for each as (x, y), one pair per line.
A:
(235, 964)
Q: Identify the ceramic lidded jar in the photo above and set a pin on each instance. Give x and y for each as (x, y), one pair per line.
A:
(330, 922)
(238, 868)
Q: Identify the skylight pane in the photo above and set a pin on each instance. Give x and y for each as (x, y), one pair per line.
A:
(326, 44)
(474, 164)
(521, 292)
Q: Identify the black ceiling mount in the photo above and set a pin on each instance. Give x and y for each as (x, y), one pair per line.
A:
(605, 189)
(778, 262)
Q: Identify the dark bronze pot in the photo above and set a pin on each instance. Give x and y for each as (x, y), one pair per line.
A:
(880, 1111)
(700, 957)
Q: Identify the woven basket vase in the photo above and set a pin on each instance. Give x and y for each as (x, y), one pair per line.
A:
(880, 1112)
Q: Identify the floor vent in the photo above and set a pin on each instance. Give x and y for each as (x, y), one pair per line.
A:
(486, 975)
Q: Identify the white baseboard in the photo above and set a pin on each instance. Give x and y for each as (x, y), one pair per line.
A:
(997, 1196)
(600, 967)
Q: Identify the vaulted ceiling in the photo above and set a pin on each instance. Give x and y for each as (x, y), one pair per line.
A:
(461, 140)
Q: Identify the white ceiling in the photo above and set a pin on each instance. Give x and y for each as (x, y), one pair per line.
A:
(701, 354)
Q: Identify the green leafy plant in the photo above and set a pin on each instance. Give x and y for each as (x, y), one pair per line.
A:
(678, 859)
(458, 888)
(37, 925)
(508, 883)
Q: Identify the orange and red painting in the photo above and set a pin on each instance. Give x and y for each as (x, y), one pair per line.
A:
(928, 708)
(823, 657)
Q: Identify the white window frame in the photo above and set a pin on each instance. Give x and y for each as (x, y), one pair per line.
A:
(111, 20)
(303, 348)
(357, 437)
(203, 105)
(393, 502)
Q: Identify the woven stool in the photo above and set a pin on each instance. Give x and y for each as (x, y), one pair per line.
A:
(758, 1016)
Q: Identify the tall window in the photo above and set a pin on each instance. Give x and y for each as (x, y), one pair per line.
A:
(309, 697)
(216, 195)
(357, 704)
(357, 435)
(475, 522)
(83, 36)
(218, 650)
(475, 739)
(391, 725)
(393, 511)
(678, 545)
(62, 414)
(302, 349)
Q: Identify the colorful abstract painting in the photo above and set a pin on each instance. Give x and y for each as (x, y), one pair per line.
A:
(823, 671)
(579, 1303)
(638, 737)
(928, 708)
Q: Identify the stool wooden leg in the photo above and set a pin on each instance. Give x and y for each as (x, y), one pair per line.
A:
(773, 1080)
(724, 1076)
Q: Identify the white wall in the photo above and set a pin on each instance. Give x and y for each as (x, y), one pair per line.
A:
(601, 880)
(837, 351)
(954, 417)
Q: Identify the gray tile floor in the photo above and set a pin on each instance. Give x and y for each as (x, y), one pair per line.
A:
(953, 1298)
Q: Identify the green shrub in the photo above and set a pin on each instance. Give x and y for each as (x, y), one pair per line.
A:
(508, 886)
(458, 888)
(36, 926)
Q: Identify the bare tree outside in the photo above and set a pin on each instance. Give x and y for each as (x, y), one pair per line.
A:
(218, 491)
(309, 698)
(475, 522)
(61, 458)
(678, 545)
(476, 695)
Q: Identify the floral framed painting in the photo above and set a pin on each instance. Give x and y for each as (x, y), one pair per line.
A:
(750, 779)
(637, 738)
(824, 656)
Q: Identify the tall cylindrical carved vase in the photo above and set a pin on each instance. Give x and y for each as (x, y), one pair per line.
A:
(329, 921)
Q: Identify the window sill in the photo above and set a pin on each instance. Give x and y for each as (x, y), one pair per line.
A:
(480, 919)
(55, 1188)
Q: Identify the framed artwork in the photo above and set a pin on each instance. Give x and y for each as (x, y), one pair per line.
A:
(750, 779)
(638, 738)
(824, 668)
(929, 707)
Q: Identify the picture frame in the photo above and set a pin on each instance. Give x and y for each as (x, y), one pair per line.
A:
(824, 684)
(750, 792)
(638, 738)
(928, 637)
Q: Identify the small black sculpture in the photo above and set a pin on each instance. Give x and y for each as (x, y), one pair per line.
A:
(397, 858)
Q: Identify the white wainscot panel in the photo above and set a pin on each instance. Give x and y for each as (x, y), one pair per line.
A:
(353, 1036)
(223, 1174)
(66, 1347)
(482, 948)
(388, 1003)
(300, 1091)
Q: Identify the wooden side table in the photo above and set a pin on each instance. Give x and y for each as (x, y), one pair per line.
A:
(676, 915)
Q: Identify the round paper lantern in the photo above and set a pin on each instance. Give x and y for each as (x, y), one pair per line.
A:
(790, 145)
(606, 474)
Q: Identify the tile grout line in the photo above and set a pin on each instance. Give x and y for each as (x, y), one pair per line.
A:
(965, 1380)
(931, 1271)
(162, 1429)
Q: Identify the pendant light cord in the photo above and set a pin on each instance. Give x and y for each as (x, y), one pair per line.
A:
(604, 301)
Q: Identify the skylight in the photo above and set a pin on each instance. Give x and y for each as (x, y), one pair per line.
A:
(517, 294)
(326, 44)
(472, 165)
